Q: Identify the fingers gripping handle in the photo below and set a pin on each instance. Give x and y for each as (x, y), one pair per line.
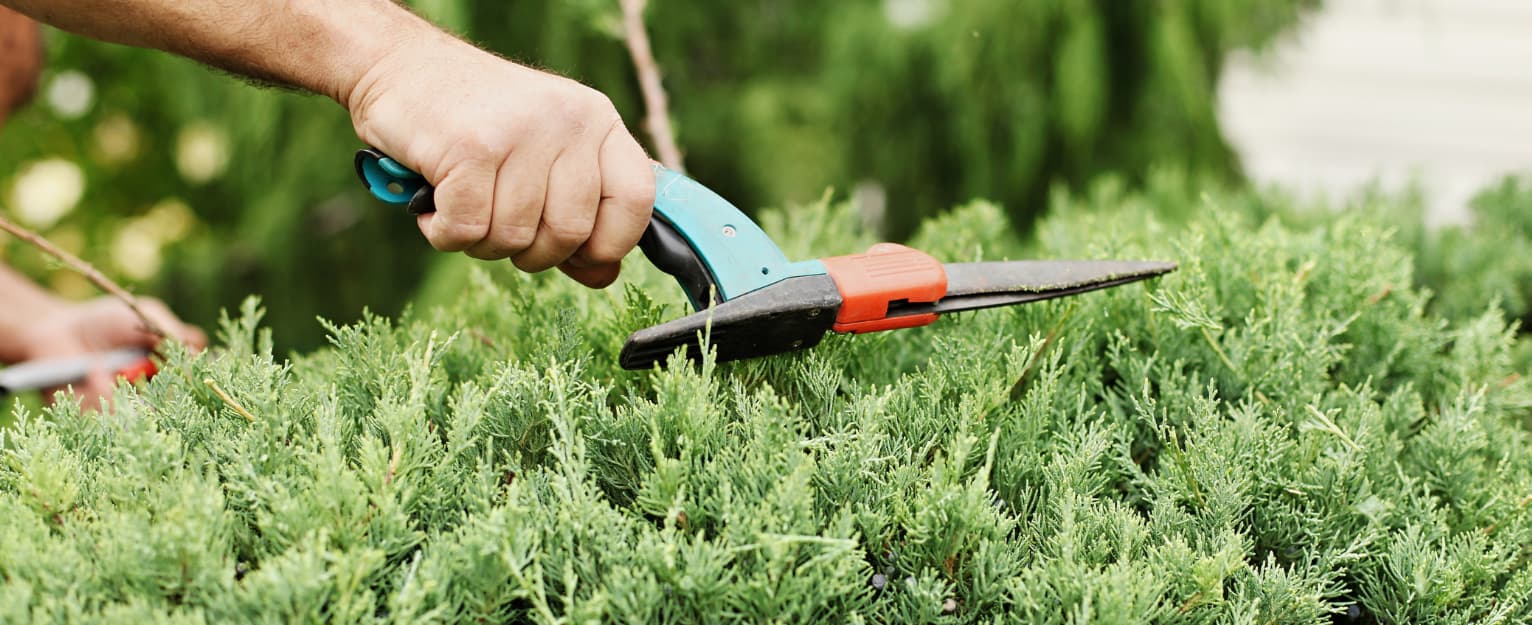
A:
(396, 184)
(712, 249)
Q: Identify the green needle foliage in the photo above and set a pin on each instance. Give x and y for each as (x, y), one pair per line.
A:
(1280, 432)
(1492, 256)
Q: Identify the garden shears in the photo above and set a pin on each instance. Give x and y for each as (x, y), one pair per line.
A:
(751, 301)
(41, 375)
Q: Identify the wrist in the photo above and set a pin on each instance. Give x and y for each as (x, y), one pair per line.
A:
(364, 39)
(404, 56)
(322, 47)
(385, 99)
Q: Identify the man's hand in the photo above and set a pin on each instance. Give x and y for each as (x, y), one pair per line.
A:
(527, 165)
(97, 326)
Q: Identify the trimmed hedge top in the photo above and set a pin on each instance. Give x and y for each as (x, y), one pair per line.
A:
(1277, 433)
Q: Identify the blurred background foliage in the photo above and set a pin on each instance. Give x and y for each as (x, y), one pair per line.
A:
(201, 189)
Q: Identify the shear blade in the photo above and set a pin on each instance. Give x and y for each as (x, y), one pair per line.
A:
(972, 286)
(790, 315)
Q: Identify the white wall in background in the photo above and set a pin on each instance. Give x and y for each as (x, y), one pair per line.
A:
(1438, 91)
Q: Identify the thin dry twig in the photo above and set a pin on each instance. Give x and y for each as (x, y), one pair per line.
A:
(85, 269)
(1519, 506)
(657, 105)
(1378, 297)
(1019, 389)
(393, 464)
(229, 400)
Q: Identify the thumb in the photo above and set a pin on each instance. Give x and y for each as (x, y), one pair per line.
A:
(163, 317)
(464, 203)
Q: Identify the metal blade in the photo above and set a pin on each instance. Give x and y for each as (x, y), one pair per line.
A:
(972, 286)
(45, 374)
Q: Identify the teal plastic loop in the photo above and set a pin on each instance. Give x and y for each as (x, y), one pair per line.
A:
(389, 181)
(393, 168)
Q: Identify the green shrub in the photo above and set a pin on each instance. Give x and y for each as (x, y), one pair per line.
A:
(1277, 433)
(1491, 256)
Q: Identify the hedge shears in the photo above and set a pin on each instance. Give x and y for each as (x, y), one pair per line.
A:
(750, 300)
(41, 375)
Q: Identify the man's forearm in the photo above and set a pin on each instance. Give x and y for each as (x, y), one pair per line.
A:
(25, 304)
(324, 46)
(527, 165)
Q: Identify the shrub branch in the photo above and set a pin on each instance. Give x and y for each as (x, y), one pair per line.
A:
(85, 269)
(656, 104)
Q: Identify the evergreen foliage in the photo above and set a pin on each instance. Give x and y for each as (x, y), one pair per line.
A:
(1493, 255)
(1280, 432)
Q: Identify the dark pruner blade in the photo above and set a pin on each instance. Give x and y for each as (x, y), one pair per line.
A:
(971, 286)
(787, 316)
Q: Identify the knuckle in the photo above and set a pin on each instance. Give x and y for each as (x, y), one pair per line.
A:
(514, 237)
(452, 235)
(634, 194)
(567, 235)
(638, 204)
(584, 110)
(470, 148)
(601, 106)
(640, 199)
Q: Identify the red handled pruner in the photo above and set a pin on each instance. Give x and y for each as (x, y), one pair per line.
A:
(41, 375)
(751, 301)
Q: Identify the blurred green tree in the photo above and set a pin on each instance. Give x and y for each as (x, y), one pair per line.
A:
(202, 190)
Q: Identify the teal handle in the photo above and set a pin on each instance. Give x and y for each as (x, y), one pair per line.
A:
(736, 250)
(739, 257)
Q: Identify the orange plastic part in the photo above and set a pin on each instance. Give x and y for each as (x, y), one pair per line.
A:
(885, 274)
(141, 370)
